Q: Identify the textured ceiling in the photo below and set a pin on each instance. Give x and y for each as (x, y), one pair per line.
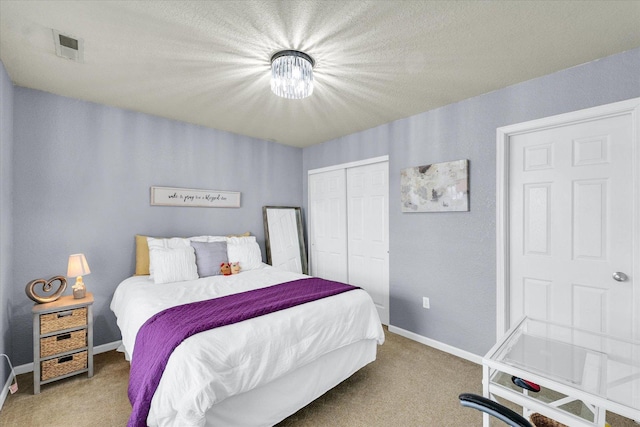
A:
(207, 62)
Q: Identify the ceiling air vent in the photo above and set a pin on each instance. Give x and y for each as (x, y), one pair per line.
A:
(68, 47)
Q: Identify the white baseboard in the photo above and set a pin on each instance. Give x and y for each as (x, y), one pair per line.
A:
(107, 347)
(28, 367)
(437, 345)
(23, 369)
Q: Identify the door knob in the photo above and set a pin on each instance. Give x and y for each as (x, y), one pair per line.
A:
(620, 276)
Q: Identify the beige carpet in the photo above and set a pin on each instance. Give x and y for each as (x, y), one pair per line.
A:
(408, 385)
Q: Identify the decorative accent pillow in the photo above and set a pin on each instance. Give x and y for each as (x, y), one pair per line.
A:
(244, 250)
(142, 256)
(173, 264)
(209, 256)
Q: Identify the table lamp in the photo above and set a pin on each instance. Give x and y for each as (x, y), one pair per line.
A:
(77, 268)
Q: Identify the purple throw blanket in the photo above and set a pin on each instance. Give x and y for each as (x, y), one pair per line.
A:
(163, 332)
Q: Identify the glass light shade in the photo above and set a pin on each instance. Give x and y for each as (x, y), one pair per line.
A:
(292, 74)
(77, 266)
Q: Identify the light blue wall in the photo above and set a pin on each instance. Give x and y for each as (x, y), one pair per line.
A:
(6, 149)
(450, 257)
(82, 173)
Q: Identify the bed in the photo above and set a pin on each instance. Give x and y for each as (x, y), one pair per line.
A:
(256, 372)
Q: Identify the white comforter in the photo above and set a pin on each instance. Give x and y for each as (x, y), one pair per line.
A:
(213, 365)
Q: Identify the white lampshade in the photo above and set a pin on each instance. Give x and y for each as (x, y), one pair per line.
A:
(77, 266)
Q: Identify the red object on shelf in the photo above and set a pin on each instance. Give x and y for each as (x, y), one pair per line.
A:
(527, 385)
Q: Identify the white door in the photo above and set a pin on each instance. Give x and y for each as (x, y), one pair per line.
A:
(283, 235)
(328, 225)
(368, 232)
(571, 224)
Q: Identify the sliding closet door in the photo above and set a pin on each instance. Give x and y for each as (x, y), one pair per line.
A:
(328, 225)
(349, 227)
(368, 232)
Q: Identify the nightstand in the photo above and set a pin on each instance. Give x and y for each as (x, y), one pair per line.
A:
(62, 339)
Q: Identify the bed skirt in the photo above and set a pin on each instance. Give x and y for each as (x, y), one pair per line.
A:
(270, 404)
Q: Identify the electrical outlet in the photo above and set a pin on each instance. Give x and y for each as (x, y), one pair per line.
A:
(425, 302)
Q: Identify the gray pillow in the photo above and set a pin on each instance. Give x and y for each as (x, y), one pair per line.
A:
(209, 256)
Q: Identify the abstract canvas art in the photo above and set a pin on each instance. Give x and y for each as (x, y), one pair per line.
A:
(440, 187)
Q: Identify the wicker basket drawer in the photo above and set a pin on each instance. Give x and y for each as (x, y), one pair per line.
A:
(63, 320)
(63, 365)
(63, 343)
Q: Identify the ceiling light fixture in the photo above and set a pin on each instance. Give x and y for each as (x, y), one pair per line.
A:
(292, 74)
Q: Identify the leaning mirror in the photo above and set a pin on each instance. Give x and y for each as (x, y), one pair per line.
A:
(284, 238)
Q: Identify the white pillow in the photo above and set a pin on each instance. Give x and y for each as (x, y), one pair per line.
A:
(173, 265)
(172, 243)
(244, 250)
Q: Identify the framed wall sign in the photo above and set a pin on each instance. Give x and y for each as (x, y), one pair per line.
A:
(170, 196)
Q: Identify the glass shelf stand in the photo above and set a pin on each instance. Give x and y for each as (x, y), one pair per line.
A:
(582, 374)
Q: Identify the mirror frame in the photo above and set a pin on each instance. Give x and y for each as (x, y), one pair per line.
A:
(301, 244)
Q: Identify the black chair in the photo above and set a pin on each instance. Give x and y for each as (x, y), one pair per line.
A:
(494, 409)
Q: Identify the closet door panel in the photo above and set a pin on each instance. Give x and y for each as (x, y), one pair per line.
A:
(327, 225)
(368, 232)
